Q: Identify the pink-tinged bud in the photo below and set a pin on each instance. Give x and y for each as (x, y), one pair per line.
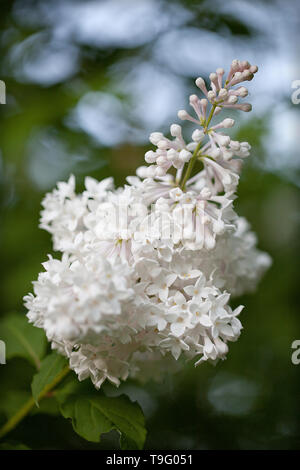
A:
(194, 99)
(203, 104)
(162, 144)
(155, 137)
(182, 114)
(217, 110)
(246, 107)
(247, 75)
(238, 76)
(225, 124)
(211, 95)
(220, 73)
(150, 156)
(235, 65)
(241, 91)
(214, 81)
(223, 93)
(228, 122)
(242, 106)
(201, 84)
(232, 99)
(253, 68)
(245, 64)
(175, 130)
(224, 140)
(161, 161)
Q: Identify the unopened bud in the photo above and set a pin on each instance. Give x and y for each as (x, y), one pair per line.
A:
(224, 140)
(162, 144)
(155, 137)
(185, 156)
(171, 154)
(159, 171)
(223, 93)
(245, 64)
(197, 135)
(175, 130)
(232, 99)
(235, 65)
(241, 91)
(194, 99)
(246, 107)
(228, 122)
(211, 95)
(150, 156)
(182, 114)
(253, 68)
(161, 161)
(200, 82)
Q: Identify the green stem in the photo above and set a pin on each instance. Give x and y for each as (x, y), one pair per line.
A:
(210, 117)
(195, 154)
(27, 407)
(190, 166)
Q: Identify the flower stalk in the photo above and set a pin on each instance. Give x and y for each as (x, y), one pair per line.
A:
(29, 405)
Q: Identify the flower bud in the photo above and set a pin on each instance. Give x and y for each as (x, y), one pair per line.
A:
(223, 93)
(161, 161)
(150, 156)
(175, 130)
(241, 91)
(155, 137)
(159, 171)
(194, 99)
(197, 135)
(184, 155)
(246, 107)
(253, 68)
(228, 122)
(162, 144)
(183, 115)
(211, 95)
(232, 99)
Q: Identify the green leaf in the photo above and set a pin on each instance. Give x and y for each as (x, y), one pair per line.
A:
(93, 415)
(47, 406)
(12, 401)
(22, 339)
(72, 386)
(51, 368)
(8, 446)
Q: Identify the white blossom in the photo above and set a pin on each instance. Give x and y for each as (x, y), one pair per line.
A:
(147, 271)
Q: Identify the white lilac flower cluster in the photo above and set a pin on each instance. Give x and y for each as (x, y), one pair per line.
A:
(147, 271)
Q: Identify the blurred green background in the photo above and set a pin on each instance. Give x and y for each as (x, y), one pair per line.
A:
(86, 82)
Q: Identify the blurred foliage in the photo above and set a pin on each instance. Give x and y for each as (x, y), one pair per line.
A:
(252, 400)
